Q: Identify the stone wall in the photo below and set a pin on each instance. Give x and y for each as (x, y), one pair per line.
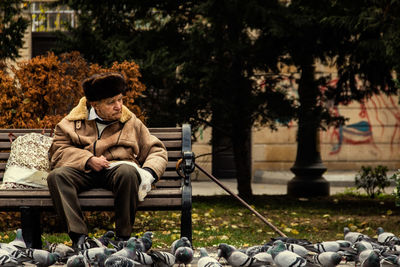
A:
(370, 137)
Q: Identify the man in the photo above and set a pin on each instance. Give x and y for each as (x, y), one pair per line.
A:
(98, 132)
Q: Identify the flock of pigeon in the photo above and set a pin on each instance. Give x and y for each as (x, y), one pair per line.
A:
(357, 248)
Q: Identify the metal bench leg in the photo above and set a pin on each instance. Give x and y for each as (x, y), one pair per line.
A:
(31, 228)
(186, 217)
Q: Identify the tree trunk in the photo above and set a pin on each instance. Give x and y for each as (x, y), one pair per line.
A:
(241, 138)
(308, 166)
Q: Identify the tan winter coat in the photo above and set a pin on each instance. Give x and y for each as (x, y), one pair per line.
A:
(76, 140)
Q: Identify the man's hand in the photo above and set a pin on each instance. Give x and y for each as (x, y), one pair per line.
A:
(98, 163)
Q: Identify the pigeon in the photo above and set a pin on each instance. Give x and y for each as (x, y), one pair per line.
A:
(362, 251)
(77, 261)
(372, 260)
(90, 254)
(129, 250)
(237, 258)
(6, 259)
(385, 238)
(91, 243)
(105, 239)
(361, 245)
(251, 251)
(15, 252)
(162, 259)
(145, 242)
(264, 257)
(42, 257)
(353, 236)
(183, 255)
(206, 261)
(290, 240)
(62, 249)
(285, 258)
(391, 260)
(19, 240)
(326, 259)
(333, 246)
(119, 261)
(143, 258)
(182, 242)
(299, 250)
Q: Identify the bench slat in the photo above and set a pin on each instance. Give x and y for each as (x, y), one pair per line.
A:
(161, 135)
(171, 155)
(152, 130)
(168, 144)
(89, 204)
(94, 193)
(171, 166)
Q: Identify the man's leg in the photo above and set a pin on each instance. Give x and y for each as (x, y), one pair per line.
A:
(124, 180)
(64, 185)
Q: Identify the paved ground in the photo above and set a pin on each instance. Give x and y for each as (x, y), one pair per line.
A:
(274, 183)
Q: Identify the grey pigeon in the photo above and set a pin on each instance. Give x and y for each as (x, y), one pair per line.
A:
(77, 261)
(237, 258)
(298, 249)
(363, 251)
(42, 257)
(264, 257)
(145, 242)
(386, 237)
(182, 242)
(353, 236)
(17, 253)
(90, 254)
(162, 258)
(63, 250)
(332, 246)
(251, 251)
(106, 238)
(143, 258)
(183, 255)
(119, 261)
(19, 240)
(326, 259)
(206, 261)
(130, 250)
(290, 240)
(285, 258)
(91, 243)
(391, 260)
(372, 260)
(6, 259)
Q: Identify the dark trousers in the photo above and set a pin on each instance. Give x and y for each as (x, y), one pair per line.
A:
(66, 183)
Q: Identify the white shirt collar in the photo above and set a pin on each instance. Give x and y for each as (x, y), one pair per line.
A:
(93, 115)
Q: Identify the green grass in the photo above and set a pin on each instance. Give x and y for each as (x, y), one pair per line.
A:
(222, 219)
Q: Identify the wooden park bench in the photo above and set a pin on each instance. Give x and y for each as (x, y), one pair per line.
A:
(172, 192)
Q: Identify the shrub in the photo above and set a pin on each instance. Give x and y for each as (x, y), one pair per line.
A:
(396, 179)
(372, 180)
(39, 92)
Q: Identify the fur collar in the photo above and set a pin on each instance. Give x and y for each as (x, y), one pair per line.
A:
(80, 112)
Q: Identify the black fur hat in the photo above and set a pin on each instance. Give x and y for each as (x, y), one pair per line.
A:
(105, 85)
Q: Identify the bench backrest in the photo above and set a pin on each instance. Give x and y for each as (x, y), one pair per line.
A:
(171, 137)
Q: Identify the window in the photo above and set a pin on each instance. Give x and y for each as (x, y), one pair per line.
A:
(48, 19)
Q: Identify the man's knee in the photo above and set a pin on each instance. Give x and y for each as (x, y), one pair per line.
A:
(126, 172)
(55, 175)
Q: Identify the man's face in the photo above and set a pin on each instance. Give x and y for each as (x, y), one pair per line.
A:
(109, 109)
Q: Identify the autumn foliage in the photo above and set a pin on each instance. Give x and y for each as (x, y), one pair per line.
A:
(38, 93)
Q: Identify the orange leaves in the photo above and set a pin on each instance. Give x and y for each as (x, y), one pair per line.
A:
(39, 92)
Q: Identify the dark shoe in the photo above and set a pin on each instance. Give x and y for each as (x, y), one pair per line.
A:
(78, 241)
